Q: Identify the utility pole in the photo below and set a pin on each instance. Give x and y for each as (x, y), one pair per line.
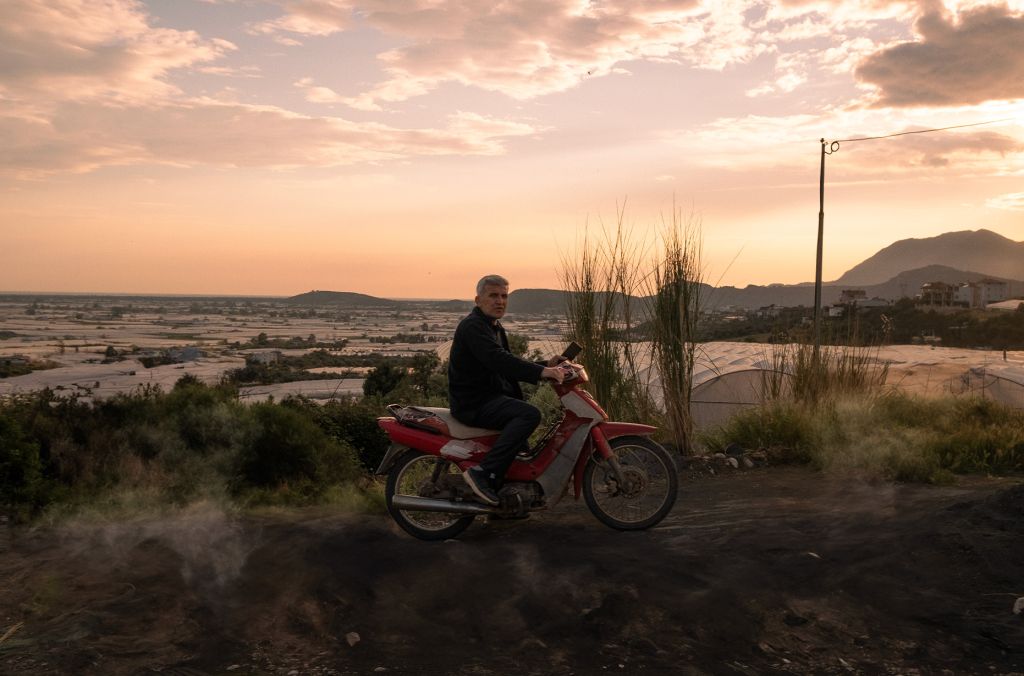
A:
(826, 149)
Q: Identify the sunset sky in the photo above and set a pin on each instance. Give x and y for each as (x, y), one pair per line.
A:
(404, 148)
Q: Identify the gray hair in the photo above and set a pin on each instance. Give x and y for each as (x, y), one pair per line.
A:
(490, 280)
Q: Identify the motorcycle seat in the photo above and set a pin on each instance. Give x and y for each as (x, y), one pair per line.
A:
(456, 430)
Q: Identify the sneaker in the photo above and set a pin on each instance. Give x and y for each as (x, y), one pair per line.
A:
(480, 486)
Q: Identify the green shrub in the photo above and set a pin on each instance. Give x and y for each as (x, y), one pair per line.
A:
(154, 448)
(788, 430)
(382, 379)
(352, 422)
(22, 484)
(289, 452)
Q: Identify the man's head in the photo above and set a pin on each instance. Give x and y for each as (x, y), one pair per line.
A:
(492, 296)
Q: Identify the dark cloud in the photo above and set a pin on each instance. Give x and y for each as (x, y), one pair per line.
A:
(978, 58)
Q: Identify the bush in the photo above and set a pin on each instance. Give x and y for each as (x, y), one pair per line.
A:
(382, 379)
(21, 478)
(352, 422)
(786, 429)
(156, 448)
(290, 452)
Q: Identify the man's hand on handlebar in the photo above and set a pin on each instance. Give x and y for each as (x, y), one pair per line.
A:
(556, 373)
(565, 370)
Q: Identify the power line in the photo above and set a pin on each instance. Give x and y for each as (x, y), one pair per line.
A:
(922, 131)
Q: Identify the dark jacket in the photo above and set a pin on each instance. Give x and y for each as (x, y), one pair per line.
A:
(481, 367)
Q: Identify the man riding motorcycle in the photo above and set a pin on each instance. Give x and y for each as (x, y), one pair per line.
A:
(483, 385)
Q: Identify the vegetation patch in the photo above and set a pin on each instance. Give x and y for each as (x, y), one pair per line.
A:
(897, 436)
(12, 366)
(155, 448)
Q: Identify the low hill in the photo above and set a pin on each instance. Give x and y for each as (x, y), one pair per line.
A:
(346, 299)
(982, 250)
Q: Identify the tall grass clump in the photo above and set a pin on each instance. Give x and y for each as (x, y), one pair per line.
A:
(835, 371)
(674, 310)
(636, 313)
(602, 279)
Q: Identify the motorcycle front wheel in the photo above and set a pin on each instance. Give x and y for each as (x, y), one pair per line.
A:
(649, 490)
(418, 474)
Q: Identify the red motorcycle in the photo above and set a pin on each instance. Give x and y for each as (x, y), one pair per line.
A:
(628, 481)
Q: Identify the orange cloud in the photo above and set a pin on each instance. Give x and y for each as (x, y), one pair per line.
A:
(72, 50)
(82, 137)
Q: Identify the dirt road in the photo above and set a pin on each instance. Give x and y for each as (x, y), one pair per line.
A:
(770, 571)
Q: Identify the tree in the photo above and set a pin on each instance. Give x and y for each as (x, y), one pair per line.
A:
(382, 379)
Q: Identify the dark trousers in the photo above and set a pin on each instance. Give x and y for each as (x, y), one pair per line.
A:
(517, 420)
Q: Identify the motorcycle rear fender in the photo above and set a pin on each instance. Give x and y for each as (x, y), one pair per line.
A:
(392, 454)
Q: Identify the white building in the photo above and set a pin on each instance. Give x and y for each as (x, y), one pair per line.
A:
(982, 292)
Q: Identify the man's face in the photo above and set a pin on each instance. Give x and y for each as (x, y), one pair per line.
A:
(493, 301)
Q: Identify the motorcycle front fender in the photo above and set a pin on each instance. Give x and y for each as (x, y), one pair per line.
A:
(622, 429)
(597, 444)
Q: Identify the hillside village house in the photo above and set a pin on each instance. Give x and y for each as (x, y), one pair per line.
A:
(854, 298)
(982, 292)
(937, 294)
(971, 294)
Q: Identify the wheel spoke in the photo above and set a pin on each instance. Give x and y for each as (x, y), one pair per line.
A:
(424, 476)
(648, 484)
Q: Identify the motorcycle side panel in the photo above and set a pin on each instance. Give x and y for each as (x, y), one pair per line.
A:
(422, 440)
(557, 475)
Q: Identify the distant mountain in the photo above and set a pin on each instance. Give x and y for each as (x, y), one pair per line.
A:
(982, 250)
(536, 302)
(550, 302)
(909, 283)
(896, 271)
(346, 299)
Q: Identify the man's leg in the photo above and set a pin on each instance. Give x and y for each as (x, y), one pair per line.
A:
(517, 420)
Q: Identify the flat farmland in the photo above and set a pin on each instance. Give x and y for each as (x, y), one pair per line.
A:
(97, 346)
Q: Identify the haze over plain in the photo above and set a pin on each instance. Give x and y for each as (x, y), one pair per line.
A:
(403, 148)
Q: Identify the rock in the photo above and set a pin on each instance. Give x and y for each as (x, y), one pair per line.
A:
(380, 669)
(234, 666)
(1018, 606)
(747, 462)
(733, 462)
(734, 449)
(352, 638)
(644, 646)
(719, 456)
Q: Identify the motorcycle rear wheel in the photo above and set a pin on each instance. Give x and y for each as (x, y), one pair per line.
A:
(652, 485)
(411, 475)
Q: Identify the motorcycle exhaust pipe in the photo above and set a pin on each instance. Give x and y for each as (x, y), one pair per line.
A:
(413, 502)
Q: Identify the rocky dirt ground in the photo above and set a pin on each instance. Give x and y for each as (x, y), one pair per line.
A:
(775, 570)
